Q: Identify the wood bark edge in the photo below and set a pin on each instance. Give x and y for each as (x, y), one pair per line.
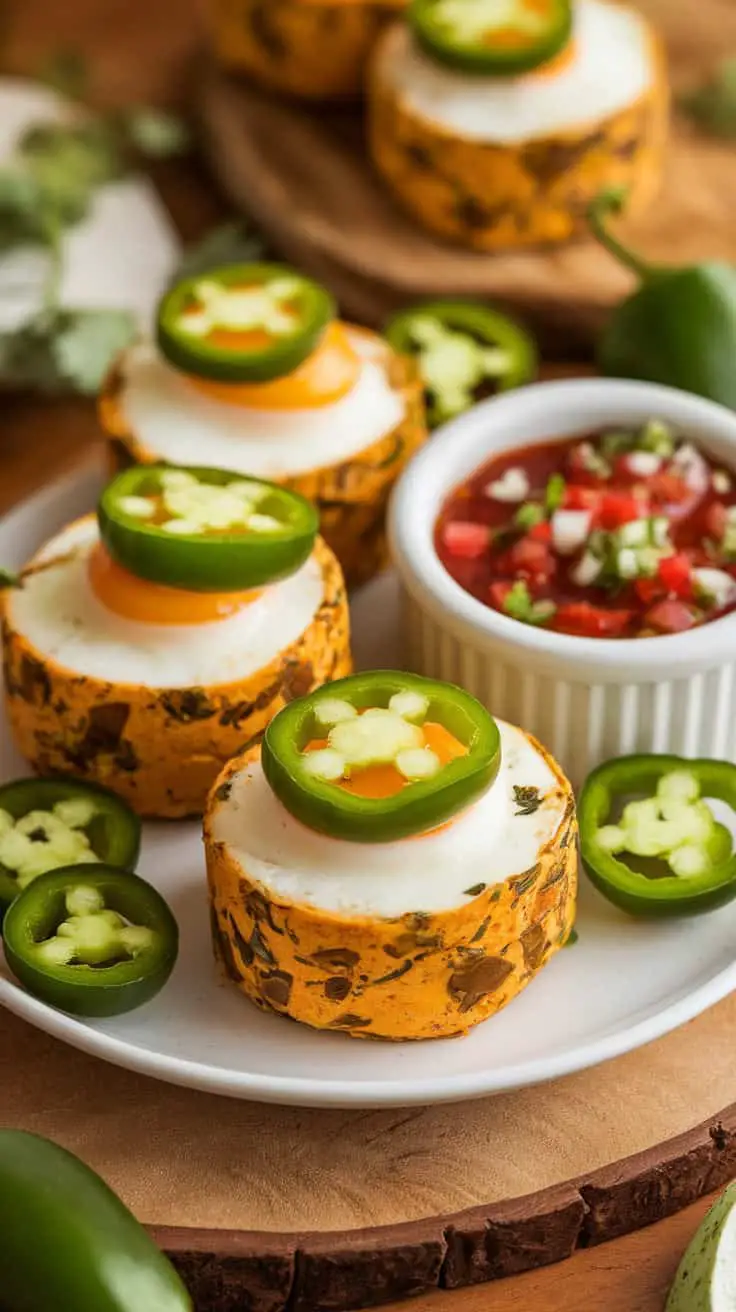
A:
(333, 1271)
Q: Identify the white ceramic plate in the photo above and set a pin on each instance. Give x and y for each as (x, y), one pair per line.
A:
(623, 984)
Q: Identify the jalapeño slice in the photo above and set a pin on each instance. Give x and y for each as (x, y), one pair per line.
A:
(244, 323)
(465, 351)
(499, 37)
(48, 823)
(381, 756)
(206, 530)
(91, 940)
(663, 853)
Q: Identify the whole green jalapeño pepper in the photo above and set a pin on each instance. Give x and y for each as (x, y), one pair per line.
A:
(479, 36)
(318, 747)
(48, 823)
(206, 530)
(91, 940)
(465, 350)
(665, 854)
(244, 323)
(678, 328)
(68, 1244)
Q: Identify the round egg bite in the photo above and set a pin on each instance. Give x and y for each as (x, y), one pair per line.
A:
(344, 456)
(316, 49)
(153, 710)
(413, 939)
(499, 161)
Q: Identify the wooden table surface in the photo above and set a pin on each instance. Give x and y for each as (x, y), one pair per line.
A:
(141, 50)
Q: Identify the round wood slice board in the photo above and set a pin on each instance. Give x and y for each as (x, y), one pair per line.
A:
(261, 1205)
(303, 175)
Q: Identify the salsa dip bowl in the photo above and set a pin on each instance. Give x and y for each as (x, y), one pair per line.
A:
(587, 698)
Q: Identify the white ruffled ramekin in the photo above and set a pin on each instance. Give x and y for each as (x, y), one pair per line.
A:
(586, 699)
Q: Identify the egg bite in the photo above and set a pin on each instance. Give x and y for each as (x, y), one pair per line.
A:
(313, 49)
(491, 155)
(252, 372)
(391, 863)
(145, 645)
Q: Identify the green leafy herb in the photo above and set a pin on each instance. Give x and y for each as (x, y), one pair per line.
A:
(519, 605)
(230, 243)
(571, 939)
(555, 493)
(713, 105)
(155, 133)
(47, 188)
(529, 515)
(475, 890)
(527, 799)
(64, 350)
(10, 580)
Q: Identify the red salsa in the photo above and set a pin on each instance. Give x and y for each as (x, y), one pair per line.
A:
(619, 534)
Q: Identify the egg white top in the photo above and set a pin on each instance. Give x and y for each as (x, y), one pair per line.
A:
(175, 421)
(486, 844)
(59, 614)
(612, 67)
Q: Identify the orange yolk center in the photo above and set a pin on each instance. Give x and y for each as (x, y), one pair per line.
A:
(328, 374)
(379, 781)
(152, 603)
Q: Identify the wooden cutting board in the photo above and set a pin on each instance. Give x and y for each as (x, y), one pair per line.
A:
(303, 175)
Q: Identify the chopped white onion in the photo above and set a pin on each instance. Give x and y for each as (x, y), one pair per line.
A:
(586, 570)
(715, 585)
(512, 486)
(570, 529)
(643, 463)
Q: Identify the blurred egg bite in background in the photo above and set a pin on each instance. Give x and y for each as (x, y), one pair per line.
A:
(144, 645)
(312, 48)
(496, 123)
(252, 372)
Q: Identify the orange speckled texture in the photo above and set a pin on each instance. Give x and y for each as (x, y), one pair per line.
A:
(351, 496)
(159, 748)
(316, 49)
(491, 196)
(421, 976)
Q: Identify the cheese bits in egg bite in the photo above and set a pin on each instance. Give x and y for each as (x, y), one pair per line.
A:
(315, 49)
(391, 863)
(495, 124)
(252, 372)
(147, 644)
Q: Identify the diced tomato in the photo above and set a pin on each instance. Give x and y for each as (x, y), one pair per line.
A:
(581, 498)
(465, 540)
(648, 590)
(541, 532)
(716, 518)
(668, 489)
(584, 620)
(531, 558)
(675, 573)
(670, 616)
(498, 592)
(619, 508)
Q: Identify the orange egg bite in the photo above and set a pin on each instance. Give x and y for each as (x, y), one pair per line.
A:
(316, 49)
(147, 689)
(491, 161)
(338, 429)
(419, 938)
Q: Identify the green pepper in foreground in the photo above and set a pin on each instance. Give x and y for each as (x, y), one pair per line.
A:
(243, 323)
(483, 37)
(206, 530)
(67, 1242)
(686, 856)
(678, 328)
(377, 719)
(48, 823)
(91, 940)
(465, 349)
